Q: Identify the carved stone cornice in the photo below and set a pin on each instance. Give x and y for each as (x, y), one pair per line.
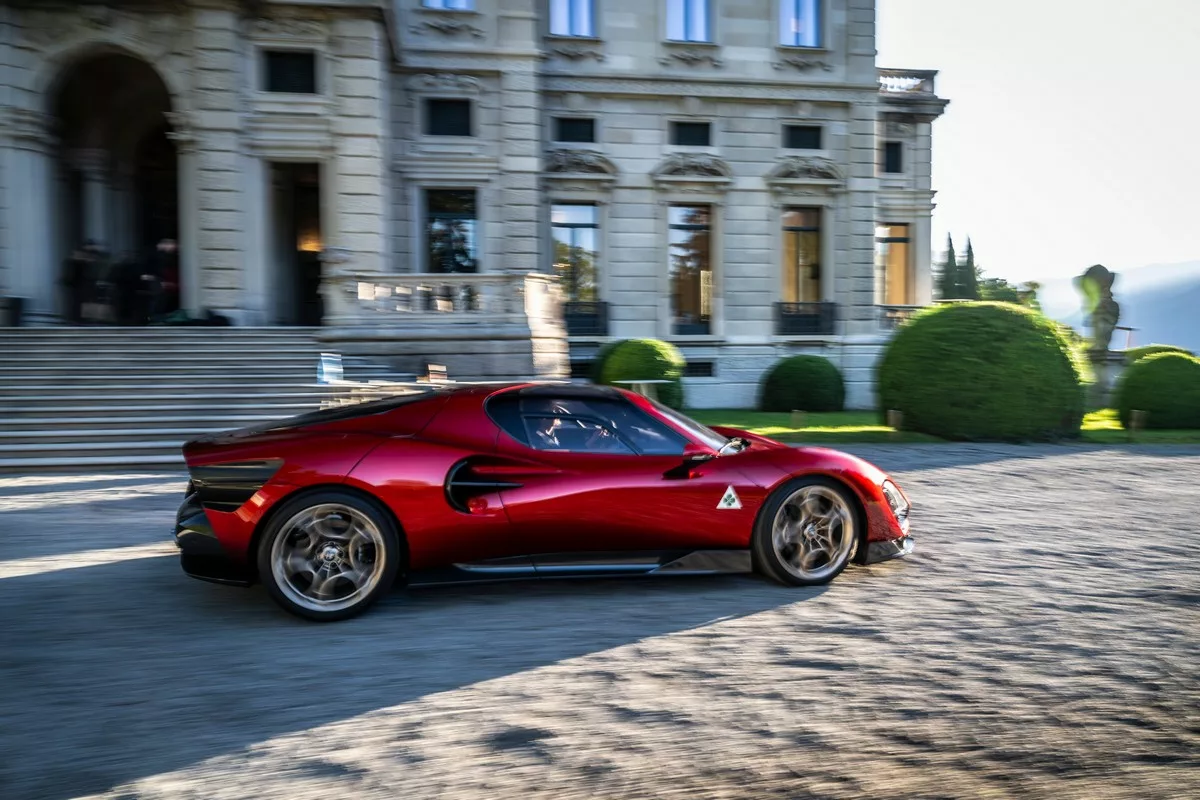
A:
(570, 51)
(710, 87)
(805, 169)
(446, 27)
(691, 56)
(444, 82)
(579, 162)
(155, 32)
(288, 28)
(801, 64)
(692, 165)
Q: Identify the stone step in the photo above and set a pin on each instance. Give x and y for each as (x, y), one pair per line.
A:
(86, 454)
(206, 418)
(93, 463)
(30, 392)
(234, 405)
(85, 437)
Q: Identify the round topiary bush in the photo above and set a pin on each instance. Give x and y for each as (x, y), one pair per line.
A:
(645, 360)
(982, 371)
(1164, 385)
(1137, 353)
(802, 383)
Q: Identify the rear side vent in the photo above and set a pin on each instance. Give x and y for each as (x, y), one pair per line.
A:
(462, 483)
(226, 487)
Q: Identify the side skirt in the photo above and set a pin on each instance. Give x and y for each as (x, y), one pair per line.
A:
(590, 565)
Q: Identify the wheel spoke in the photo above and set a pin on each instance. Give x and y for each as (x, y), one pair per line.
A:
(321, 550)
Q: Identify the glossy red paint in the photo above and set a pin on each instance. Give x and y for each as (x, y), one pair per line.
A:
(554, 502)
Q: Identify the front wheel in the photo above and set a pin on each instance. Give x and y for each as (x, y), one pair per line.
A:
(329, 555)
(807, 533)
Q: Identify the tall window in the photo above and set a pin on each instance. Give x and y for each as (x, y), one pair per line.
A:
(449, 5)
(893, 275)
(690, 254)
(687, 20)
(575, 228)
(893, 157)
(571, 18)
(802, 255)
(800, 23)
(450, 230)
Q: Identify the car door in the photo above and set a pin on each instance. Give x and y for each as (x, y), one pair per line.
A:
(604, 477)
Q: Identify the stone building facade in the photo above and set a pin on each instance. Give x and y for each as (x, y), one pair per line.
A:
(737, 177)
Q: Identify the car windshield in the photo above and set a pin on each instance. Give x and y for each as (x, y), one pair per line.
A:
(706, 435)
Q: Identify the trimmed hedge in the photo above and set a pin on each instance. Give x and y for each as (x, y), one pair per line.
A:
(1166, 386)
(601, 356)
(802, 383)
(647, 359)
(1137, 353)
(983, 371)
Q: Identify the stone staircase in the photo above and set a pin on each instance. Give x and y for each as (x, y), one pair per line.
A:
(96, 398)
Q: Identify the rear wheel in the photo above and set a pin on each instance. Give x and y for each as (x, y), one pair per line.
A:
(807, 533)
(329, 555)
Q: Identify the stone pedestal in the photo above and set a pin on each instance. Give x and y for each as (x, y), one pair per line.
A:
(1107, 367)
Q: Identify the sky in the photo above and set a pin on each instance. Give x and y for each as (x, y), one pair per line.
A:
(1073, 131)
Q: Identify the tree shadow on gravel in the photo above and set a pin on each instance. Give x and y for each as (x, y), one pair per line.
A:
(117, 672)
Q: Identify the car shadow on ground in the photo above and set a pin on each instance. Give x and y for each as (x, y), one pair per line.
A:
(116, 672)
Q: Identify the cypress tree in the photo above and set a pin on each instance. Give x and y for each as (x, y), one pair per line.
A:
(968, 278)
(948, 280)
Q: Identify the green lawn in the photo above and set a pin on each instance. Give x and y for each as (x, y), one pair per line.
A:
(847, 427)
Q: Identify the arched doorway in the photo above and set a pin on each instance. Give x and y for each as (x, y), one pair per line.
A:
(117, 199)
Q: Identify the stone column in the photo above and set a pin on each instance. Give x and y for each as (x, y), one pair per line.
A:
(191, 289)
(29, 191)
(256, 286)
(93, 164)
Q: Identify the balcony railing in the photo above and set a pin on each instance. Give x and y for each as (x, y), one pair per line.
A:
(805, 319)
(385, 299)
(892, 317)
(907, 81)
(586, 318)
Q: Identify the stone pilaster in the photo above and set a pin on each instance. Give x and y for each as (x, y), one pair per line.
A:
(356, 202)
(856, 291)
(209, 147)
(520, 146)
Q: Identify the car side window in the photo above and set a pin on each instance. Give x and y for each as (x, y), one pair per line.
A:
(567, 433)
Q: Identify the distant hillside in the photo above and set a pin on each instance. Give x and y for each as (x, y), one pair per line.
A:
(1162, 301)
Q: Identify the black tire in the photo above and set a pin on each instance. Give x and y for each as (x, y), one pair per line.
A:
(771, 564)
(338, 506)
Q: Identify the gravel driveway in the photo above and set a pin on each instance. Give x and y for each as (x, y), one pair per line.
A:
(1043, 641)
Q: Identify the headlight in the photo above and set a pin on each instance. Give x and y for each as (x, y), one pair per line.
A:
(900, 507)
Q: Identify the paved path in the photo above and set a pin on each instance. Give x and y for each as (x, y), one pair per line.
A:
(1043, 641)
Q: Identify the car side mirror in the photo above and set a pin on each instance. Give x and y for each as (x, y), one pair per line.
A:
(697, 452)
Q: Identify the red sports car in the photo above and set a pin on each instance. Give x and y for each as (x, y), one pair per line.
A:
(478, 482)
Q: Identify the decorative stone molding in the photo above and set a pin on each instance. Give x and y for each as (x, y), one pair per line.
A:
(573, 52)
(806, 169)
(158, 34)
(288, 28)
(182, 132)
(692, 165)
(892, 128)
(445, 27)
(579, 162)
(23, 125)
(801, 64)
(444, 83)
(781, 92)
(691, 56)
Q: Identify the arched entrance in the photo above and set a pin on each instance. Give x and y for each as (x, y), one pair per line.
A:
(117, 201)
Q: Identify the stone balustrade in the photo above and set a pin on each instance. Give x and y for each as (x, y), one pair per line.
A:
(891, 317)
(907, 81)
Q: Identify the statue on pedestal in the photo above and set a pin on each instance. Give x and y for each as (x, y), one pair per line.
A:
(1100, 309)
(1101, 314)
